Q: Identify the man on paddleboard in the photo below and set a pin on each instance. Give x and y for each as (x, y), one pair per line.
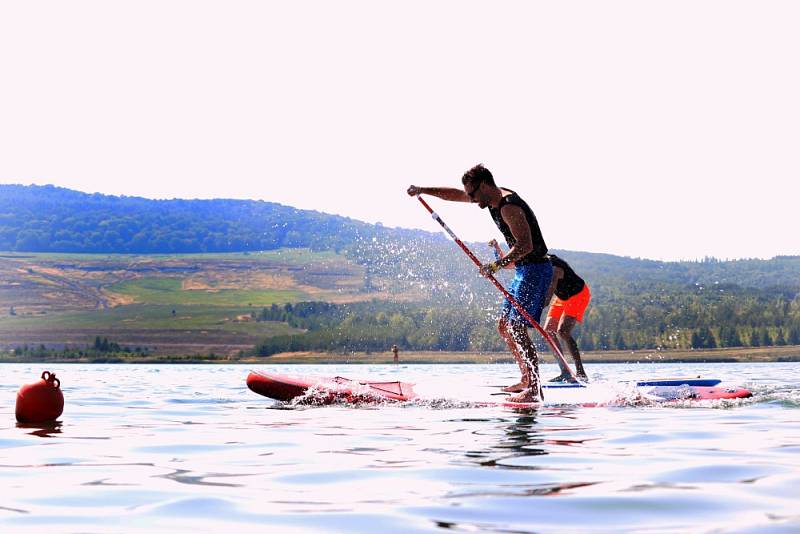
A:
(527, 254)
(570, 297)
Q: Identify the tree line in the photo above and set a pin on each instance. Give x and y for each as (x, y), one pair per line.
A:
(101, 347)
(674, 321)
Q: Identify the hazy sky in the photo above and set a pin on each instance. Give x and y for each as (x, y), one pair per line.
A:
(666, 130)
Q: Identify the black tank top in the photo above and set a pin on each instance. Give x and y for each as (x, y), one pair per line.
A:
(539, 252)
(570, 284)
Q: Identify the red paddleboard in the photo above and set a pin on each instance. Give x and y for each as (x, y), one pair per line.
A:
(327, 389)
(686, 392)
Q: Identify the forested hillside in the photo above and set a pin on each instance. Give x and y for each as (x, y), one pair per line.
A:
(53, 219)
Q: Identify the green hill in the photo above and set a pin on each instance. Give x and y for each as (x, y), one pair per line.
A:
(54, 219)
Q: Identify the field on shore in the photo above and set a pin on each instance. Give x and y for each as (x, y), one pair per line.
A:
(169, 306)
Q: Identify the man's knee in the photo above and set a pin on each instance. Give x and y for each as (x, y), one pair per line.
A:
(565, 328)
(518, 329)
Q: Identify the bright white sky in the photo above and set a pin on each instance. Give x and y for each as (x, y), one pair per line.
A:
(666, 130)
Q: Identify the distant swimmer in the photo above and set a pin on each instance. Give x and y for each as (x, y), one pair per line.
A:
(570, 297)
(527, 254)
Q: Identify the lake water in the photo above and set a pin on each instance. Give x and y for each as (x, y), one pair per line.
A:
(190, 448)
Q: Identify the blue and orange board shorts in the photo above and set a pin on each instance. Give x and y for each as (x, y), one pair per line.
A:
(574, 306)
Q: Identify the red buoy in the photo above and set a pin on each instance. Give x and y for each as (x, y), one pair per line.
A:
(41, 401)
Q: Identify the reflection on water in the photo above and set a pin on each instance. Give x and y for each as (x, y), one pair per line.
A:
(189, 448)
(43, 430)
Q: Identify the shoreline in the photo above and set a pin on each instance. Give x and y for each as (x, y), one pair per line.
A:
(728, 355)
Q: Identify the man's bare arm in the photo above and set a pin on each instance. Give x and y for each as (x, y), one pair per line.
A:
(518, 224)
(558, 274)
(499, 252)
(445, 193)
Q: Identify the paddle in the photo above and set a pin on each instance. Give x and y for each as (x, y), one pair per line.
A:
(503, 290)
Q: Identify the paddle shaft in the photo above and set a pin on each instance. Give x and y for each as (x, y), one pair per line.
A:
(547, 337)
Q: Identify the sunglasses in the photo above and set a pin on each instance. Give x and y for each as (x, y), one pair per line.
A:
(471, 194)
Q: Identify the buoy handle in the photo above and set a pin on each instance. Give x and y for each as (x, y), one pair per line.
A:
(51, 379)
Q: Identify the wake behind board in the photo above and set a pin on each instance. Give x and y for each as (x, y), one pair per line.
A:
(326, 390)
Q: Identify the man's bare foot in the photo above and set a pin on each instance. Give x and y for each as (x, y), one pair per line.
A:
(562, 378)
(582, 377)
(516, 388)
(526, 395)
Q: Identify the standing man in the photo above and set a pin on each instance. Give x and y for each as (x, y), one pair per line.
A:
(570, 298)
(527, 254)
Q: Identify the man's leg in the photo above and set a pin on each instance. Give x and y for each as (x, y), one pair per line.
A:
(533, 393)
(528, 288)
(551, 326)
(565, 328)
(504, 327)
